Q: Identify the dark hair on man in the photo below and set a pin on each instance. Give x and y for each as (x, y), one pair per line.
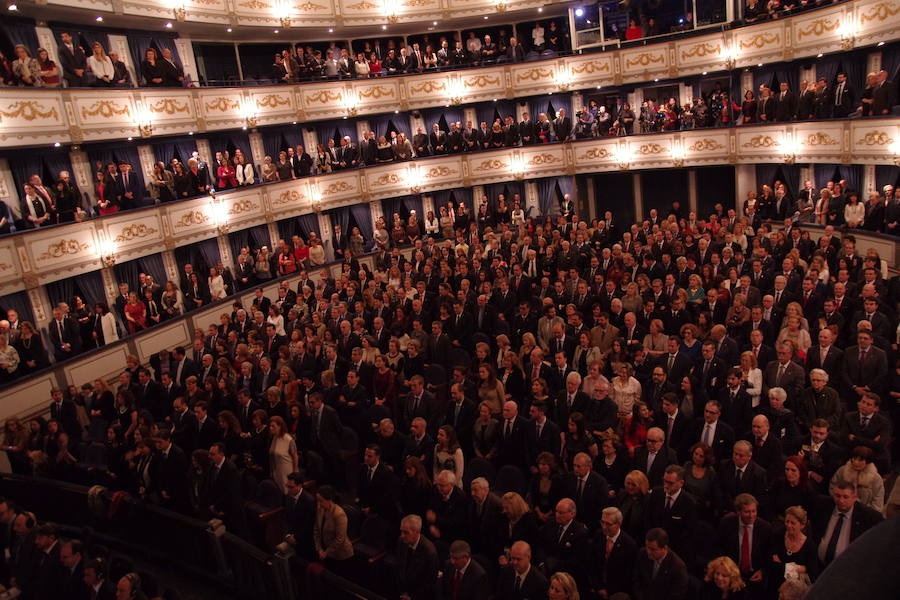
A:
(327, 493)
(658, 535)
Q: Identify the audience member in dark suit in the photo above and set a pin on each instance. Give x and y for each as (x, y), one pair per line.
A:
(740, 475)
(565, 542)
(64, 336)
(418, 561)
(613, 556)
(653, 458)
(464, 578)
(376, 491)
(767, 447)
(735, 402)
(66, 413)
(323, 432)
(486, 521)
(751, 556)
(543, 433)
(226, 500)
(588, 489)
(714, 431)
(447, 510)
(676, 425)
(831, 515)
(300, 515)
(784, 373)
(659, 574)
(867, 426)
(171, 477)
(207, 431)
(519, 579)
(674, 509)
(865, 367)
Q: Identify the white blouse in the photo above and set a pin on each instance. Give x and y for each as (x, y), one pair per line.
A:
(101, 67)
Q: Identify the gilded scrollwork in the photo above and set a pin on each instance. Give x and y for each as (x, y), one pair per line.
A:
(645, 59)
(591, 67)
(221, 104)
(106, 109)
(428, 87)
(760, 141)
(760, 40)
(534, 75)
(648, 149)
(491, 165)
(254, 5)
(481, 81)
(193, 217)
(169, 106)
(438, 172)
(819, 27)
(272, 101)
(375, 92)
(63, 248)
(387, 179)
(705, 144)
(364, 5)
(324, 97)
(134, 232)
(701, 50)
(875, 138)
(288, 197)
(29, 110)
(335, 188)
(880, 12)
(544, 159)
(596, 153)
(820, 139)
(309, 6)
(242, 206)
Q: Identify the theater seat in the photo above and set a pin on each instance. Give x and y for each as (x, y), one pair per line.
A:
(266, 515)
(478, 467)
(510, 479)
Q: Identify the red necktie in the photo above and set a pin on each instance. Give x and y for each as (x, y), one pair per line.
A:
(745, 551)
(609, 546)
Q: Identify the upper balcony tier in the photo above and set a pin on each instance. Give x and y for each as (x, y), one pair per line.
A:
(31, 116)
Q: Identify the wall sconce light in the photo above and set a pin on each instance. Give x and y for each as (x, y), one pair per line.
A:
(848, 30)
(218, 212)
(678, 155)
(623, 157)
(179, 10)
(248, 113)
(563, 80)
(315, 200)
(789, 147)
(455, 92)
(351, 103)
(894, 149)
(108, 252)
(731, 55)
(144, 121)
(501, 6)
(517, 166)
(282, 10)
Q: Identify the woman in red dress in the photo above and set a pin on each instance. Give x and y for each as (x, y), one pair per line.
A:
(105, 205)
(135, 314)
(227, 176)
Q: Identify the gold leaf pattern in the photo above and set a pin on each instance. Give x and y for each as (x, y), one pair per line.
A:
(819, 27)
(481, 81)
(62, 248)
(645, 59)
(169, 106)
(324, 97)
(334, 188)
(875, 138)
(28, 110)
(544, 159)
(135, 231)
(308, 6)
(591, 67)
(701, 50)
(376, 92)
(105, 108)
(242, 206)
(881, 11)
(534, 75)
(364, 5)
(288, 197)
(254, 4)
(387, 179)
(645, 149)
(272, 101)
(416, 2)
(438, 172)
(5, 267)
(194, 217)
(820, 139)
(428, 87)
(490, 165)
(596, 153)
(222, 104)
(760, 40)
(761, 141)
(705, 144)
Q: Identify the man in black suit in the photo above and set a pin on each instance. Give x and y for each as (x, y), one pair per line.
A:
(659, 574)
(674, 509)
(464, 578)
(225, 498)
(831, 516)
(713, 431)
(676, 364)
(323, 432)
(758, 342)
(676, 425)
(821, 454)
(49, 572)
(73, 61)
(128, 189)
(72, 559)
(448, 508)
(613, 556)
(511, 447)
(784, 373)
(657, 389)
(653, 458)
(884, 95)
(486, 523)
(543, 433)
(418, 561)
(571, 399)
(736, 404)
(151, 396)
(865, 367)
(419, 403)
(747, 540)
(565, 542)
(300, 515)
(245, 408)
(785, 104)
(376, 490)
(562, 126)
(740, 475)
(64, 336)
(182, 367)
(461, 414)
(519, 579)
(768, 451)
(710, 372)
(867, 426)
(66, 414)
(171, 475)
(184, 423)
(825, 355)
(207, 431)
(588, 489)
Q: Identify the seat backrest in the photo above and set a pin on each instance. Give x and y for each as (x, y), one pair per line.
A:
(479, 467)
(510, 479)
(349, 440)
(268, 494)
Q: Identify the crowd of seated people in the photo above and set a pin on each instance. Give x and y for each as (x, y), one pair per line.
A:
(713, 399)
(756, 11)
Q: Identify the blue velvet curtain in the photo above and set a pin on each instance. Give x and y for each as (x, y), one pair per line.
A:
(309, 223)
(153, 265)
(763, 76)
(137, 46)
(890, 61)
(209, 250)
(790, 175)
(790, 74)
(19, 32)
(886, 174)
(127, 272)
(384, 124)
(853, 175)
(287, 228)
(273, 143)
(293, 136)
(116, 153)
(230, 141)
(56, 162)
(566, 186)
(19, 302)
(546, 188)
(185, 146)
(765, 174)
(239, 239)
(508, 189)
(164, 151)
(828, 68)
(362, 214)
(826, 173)
(340, 216)
(91, 287)
(550, 104)
(259, 235)
(46, 163)
(443, 117)
(23, 167)
(82, 36)
(489, 111)
(164, 42)
(189, 254)
(61, 291)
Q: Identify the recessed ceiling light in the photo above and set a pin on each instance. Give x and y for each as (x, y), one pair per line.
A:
(704, 72)
(819, 55)
(486, 17)
(396, 112)
(540, 9)
(130, 138)
(12, 6)
(275, 31)
(434, 22)
(330, 30)
(495, 99)
(579, 12)
(228, 29)
(598, 87)
(879, 43)
(99, 19)
(383, 27)
(190, 133)
(657, 79)
(169, 25)
(56, 144)
(759, 65)
(293, 122)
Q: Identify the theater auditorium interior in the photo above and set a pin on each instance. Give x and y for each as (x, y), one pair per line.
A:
(449, 299)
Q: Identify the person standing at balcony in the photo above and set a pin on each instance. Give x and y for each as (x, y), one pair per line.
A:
(488, 50)
(152, 71)
(279, 72)
(537, 37)
(36, 211)
(822, 103)
(515, 53)
(438, 140)
(844, 97)
(26, 69)
(805, 102)
(562, 126)
(101, 67)
(766, 105)
(128, 189)
(73, 61)
(174, 75)
(64, 336)
(332, 67)
(785, 104)
(884, 95)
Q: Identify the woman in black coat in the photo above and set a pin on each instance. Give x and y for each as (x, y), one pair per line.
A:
(152, 69)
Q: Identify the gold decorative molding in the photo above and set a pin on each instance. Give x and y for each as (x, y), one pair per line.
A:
(534, 75)
(5, 267)
(193, 217)
(135, 231)
(701, 50)
(645, 59)
(242, 206)
(414, 3)
(596, 153)
(288, 197)
(589, 68)
(760, 40)
(761, 141)
(309, 6)
(544, 159)
(324, 97)
(63, 248)
(169, 106)
(704, 145)
(481, 81)
(427, 87)
(880, 12)
(875, 138)
(221, 104)
(364, 5)
(334, 188)
(820, 139)
(438, 172)
(28, 110)
(105, 108)
(375, 92)
(387, 179)
(819, 27)
(646, 149)
(254, 4)
(272, 101)
(491, 165)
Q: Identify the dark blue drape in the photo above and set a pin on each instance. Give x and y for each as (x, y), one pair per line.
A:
(886, 175)
(82, 36)
(259, 235)
(163, 43)
(153, 265)
(382, 125)
(116, 153)
(765, 174)
(443, 117)
(828, 68)
(164, 151)
(826, 173)
(91, 287)
(550, 104)
(61, 291)
(287, 229)
(230, 141)
(237, 240)
(273, 143)
(508, 189)
(185, 147)
(340, 216)
(566, 186)
(890, 61)
(19, 302)
(362, 214)
(853, 175)
(546, 188)
(487, 112)
(127, 272)
(293, 136)
(309, 223)
(790, 75)
(20, 32)
(137, 46)
(209, 250)
(23, 167)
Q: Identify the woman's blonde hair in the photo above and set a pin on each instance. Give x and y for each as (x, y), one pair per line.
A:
(517, 505)
(726, 564)
(640, 480)
(567, 583)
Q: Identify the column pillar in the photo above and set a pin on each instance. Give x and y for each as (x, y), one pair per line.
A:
(477, 193)
(274, 234)
(638, 197)
(744, 181)
(225, 250)
(48, 43)
(119, 45)
(257, 150)
(692, 190)
(310, 140)
(590, 198)
(532, 202)
(40, 305)
(427, 205)
(325, 229)
(469, 114)
(83, 175)
(869, 183)
(417, 121)
(186, 55)
(203, 150)
(747, 83)
(110, 285)
(171, 265)
(577, 103)
(686, 94)
(377, 212)
(8, 192)
(362, 127)
(873, 62)
(145, 153)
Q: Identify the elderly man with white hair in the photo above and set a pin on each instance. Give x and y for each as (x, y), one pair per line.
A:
(448, 508)
(418, 561)
(486, 522)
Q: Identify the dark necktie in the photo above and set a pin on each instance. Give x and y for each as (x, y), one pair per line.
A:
(580, 489)
(835, 536)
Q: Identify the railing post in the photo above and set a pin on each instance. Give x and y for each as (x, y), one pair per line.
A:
(216, 530)
(284, 579)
